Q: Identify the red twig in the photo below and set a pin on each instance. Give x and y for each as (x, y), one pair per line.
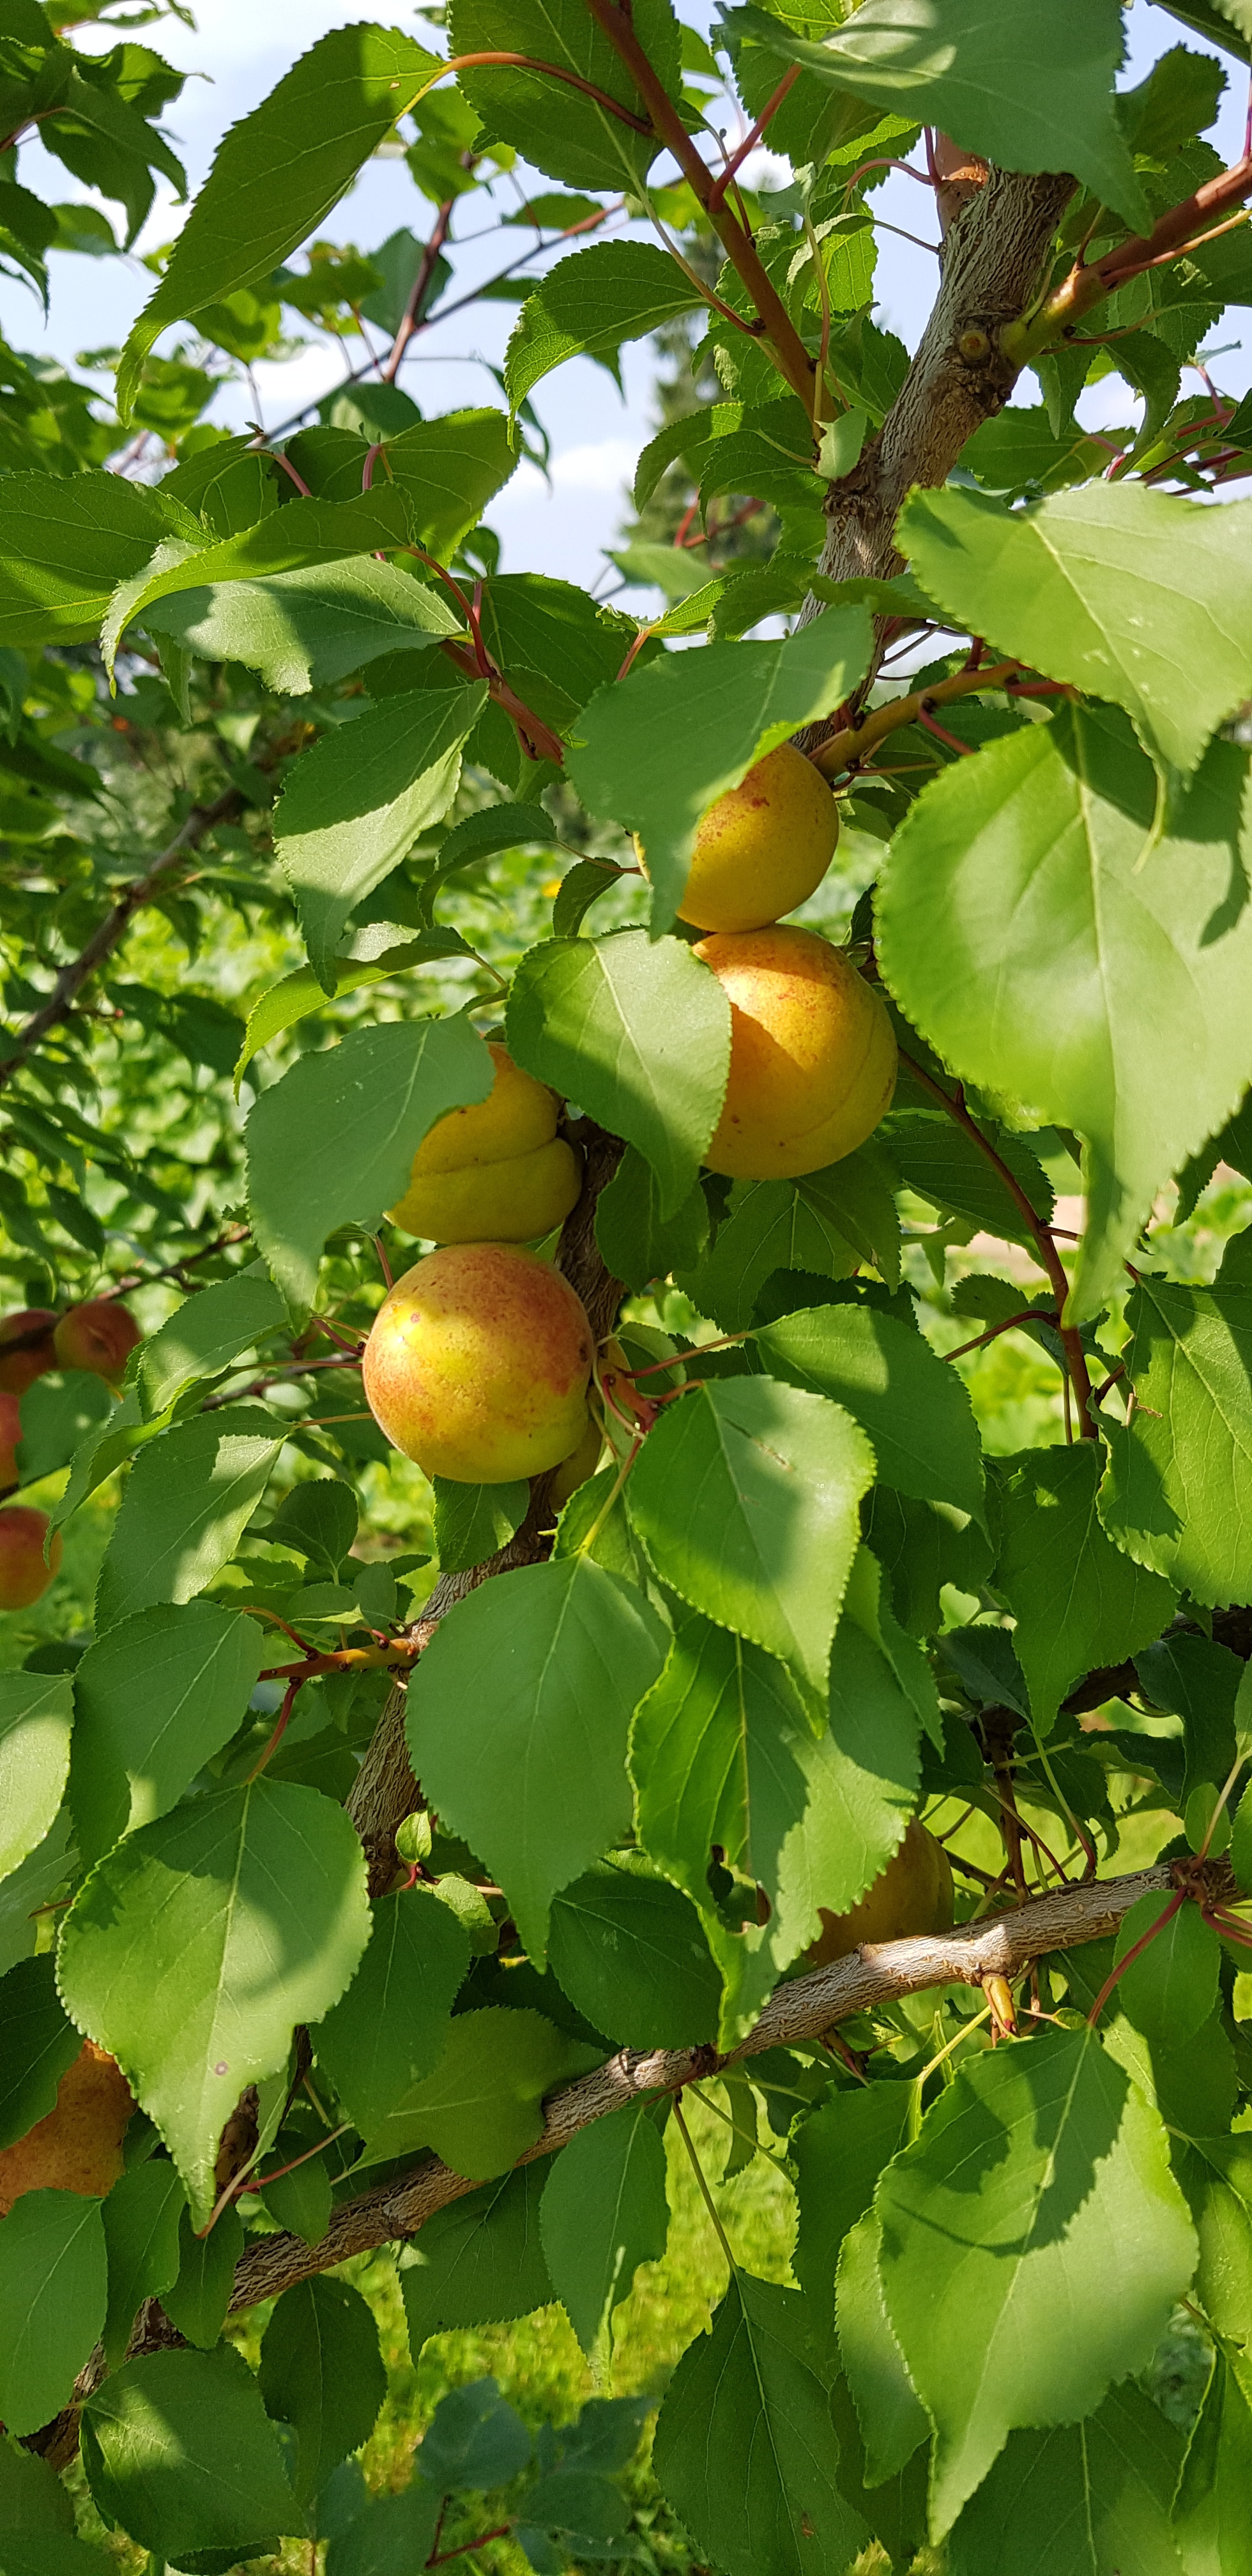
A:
(753, 137)
(1116, 1974)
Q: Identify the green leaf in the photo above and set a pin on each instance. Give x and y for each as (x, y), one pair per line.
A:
(197, 1945)
(143, 2231)
(334, 1140)
(37, 2045)
(276, 175)
(355, 804)
(636, 1242)
(1216, 2175)
(155, 1699)
(773, 1226)
(1078, 1601)
(745, 1493)
(35, 1715)
(657, 748)
(473, 1521)
(320, 1522)
(307, 532)
(1033, 2244)
(839, 2153)
(188, 1499)
(603, 2213)
(588, 305)
(31, 1886)
(518, 1718)
(295, 996)
(206, 1333)
(474, 2439)
(934, 1157)
(391, 2536)
(1177, 1493)
(1210, 2511)
(178, 2448)
(387, 2031)
(916, 1411)
(744, 2450)
(68, 541)
(480, 2262)
(447, 470)
(308, 628)
(1046, 952)
(629, 1951)
(1078, 587)
(724, 1759)
(53, 2284)
(638, 1033)
(33, 2501)
(57, 1416)
(483, 2105)
(1078, 2501)
(893, 2422)
(558, 128)
(1025, 98)
(322, 2372)
(1171, 1988)
(197, 2299)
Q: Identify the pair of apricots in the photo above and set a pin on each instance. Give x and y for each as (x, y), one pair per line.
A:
(480, 1358)
(98, 1337)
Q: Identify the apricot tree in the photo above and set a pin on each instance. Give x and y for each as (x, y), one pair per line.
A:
(411, 1897)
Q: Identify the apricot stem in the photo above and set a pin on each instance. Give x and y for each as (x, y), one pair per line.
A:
(705, 2194)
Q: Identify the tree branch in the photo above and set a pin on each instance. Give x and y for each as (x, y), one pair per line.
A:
(105, 938)
(1181, 226)
(797, 2012)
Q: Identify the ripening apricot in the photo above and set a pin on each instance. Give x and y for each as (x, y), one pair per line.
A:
(19, 1369)
(99, 1336)
(812, 1054)
(762, 848)
(78, 2145)
(574, 1470)
(478, 1363)
(24, 1577)
(10, 1434)
(494, 1173)
(913, 1894)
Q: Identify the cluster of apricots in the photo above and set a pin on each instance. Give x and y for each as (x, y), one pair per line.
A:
(98, 1337)
(480, 1359)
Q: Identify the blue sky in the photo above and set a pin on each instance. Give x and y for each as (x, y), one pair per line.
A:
(242, 47)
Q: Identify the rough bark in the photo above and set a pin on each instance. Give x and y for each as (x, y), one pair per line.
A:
(798, 2012)
(993, 259)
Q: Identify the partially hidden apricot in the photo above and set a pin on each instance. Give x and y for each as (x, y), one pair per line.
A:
(762, 848)
(574, 1470)
(496, 1172)
(812, 1054)
(98, 1336)
(10, 1434)
(78, 2145)
(19, 1369)
(24, 1577)
(913, 1894)
(478, 1363)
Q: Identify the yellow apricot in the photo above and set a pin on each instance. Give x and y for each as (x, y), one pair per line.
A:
(78, 2145)
(812, 1054)
(913, 1894)
(478, 1363)
(762, 848)
(512, 1201)
(574, 1470)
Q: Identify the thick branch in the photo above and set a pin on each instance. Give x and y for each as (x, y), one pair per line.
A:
(105, 938)
(1181, 227)
(993, 259)
(796, 2013)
